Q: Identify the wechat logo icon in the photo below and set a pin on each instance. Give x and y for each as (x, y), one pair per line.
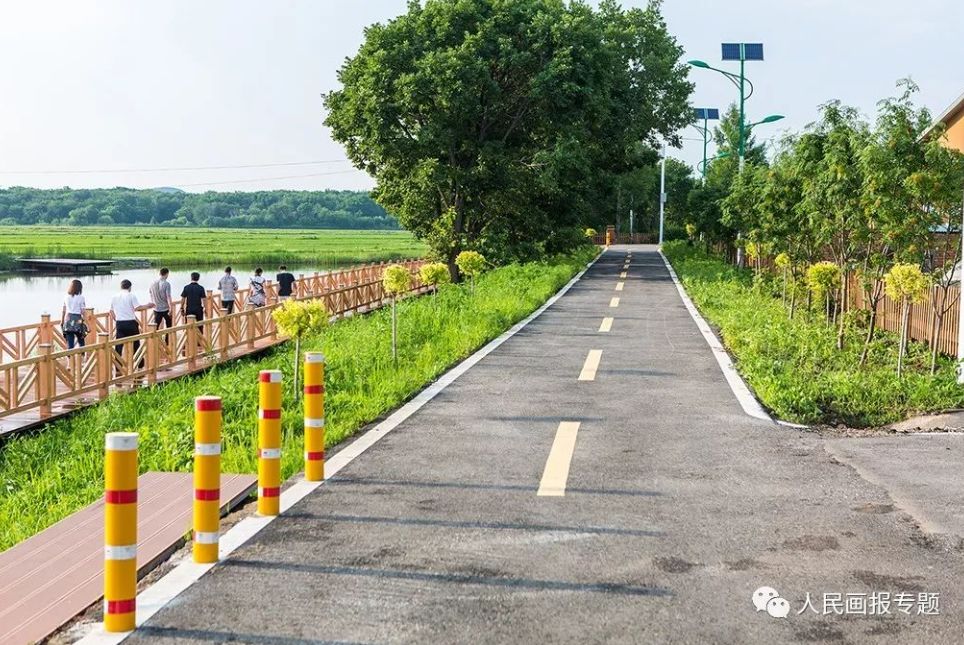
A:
(768, 599)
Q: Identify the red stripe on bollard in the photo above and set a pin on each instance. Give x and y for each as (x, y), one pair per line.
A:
(121, 606)
(314, 389)
(270, 414)
(120, 496)
(270, 492)
(315, 456)
(209, 495)
(207, 405)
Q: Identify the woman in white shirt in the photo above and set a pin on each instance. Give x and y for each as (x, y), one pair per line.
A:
(72, 318)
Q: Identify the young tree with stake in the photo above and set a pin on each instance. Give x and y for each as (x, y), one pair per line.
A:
(396, 281)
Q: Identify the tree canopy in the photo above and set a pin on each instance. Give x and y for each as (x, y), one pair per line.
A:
(496, 124)
(263, 209)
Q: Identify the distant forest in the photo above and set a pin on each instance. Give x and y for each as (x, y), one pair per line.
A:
(172, 207)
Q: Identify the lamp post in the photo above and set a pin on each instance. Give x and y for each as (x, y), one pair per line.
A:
(707, 114)
(742, 52)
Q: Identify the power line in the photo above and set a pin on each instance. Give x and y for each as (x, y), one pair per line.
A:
(253, 181)
(172, 169)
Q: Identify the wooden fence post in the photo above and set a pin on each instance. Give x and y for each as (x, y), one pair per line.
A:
(104, 365)
(46, 331)
(190, 346)
(224, 334)
(152, 353)
(91, 323)
(45, 378)
(209, 305)
(301, 286)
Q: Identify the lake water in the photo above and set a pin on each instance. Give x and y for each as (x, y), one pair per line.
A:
(25, 297)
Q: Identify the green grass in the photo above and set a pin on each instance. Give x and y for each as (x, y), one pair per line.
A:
(185, 246)
(54, 472)
(794, 366)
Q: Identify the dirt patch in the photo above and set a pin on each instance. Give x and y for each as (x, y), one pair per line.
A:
(673, 565)
(874, 509)
(744, 564)
(884, 582)
(812, 543)
(818, 632)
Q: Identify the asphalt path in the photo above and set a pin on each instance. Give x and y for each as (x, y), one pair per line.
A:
(490, 517)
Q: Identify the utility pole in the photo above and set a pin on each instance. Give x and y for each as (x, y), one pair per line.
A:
(632, 203)
(662, 196)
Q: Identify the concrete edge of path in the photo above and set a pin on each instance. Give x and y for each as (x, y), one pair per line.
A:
(741, 391)
(187, 572)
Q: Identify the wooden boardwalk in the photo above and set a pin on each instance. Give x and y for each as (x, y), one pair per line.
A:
(44, 382)
(48, 579)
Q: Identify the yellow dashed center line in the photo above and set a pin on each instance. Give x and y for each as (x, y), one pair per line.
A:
(556, 474)
(620, 285)
(614, 302)
(606, 325)
(622, 275)
(591, 365)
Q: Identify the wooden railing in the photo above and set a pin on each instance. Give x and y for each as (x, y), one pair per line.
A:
(42, 373)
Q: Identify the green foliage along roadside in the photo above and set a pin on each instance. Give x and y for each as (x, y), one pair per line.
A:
(793, 365)
(52, 473)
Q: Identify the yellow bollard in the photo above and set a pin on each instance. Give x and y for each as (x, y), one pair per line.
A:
(120, 531)
(207, 478)
(269, 442)
(314, 416)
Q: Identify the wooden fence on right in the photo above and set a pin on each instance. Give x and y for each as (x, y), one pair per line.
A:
(921, 320)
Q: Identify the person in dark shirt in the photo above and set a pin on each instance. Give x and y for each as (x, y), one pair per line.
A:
(192, 298)
(285, 282)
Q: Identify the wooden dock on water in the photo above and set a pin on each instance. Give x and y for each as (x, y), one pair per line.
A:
(64, 265)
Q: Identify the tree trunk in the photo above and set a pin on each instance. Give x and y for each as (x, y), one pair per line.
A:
(394, 332)
(297, 365)
(904, 316)
(844, 293)
(938, 325)
(870, 336)
(784, 298)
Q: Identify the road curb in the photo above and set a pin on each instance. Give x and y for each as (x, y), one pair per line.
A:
(751, 406)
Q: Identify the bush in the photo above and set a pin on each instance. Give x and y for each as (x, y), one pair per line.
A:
(470, 263)
(794, 366)
(434, 273)
(396, 280)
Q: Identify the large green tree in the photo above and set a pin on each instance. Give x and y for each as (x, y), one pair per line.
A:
(497, 124)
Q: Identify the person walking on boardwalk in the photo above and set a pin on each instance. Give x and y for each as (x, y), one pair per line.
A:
(257, 297)
(72, 318)
(228, 285)
(160, 293)
(123, 308)
(285, 281)
(192, 299)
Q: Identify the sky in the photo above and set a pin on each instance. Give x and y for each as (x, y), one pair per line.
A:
(91, 88)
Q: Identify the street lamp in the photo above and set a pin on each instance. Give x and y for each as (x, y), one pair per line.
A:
(769, 119)
(707, 114)
(706, 162)
(742, 52)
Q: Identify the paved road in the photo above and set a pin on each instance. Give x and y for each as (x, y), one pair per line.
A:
(677, 506)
